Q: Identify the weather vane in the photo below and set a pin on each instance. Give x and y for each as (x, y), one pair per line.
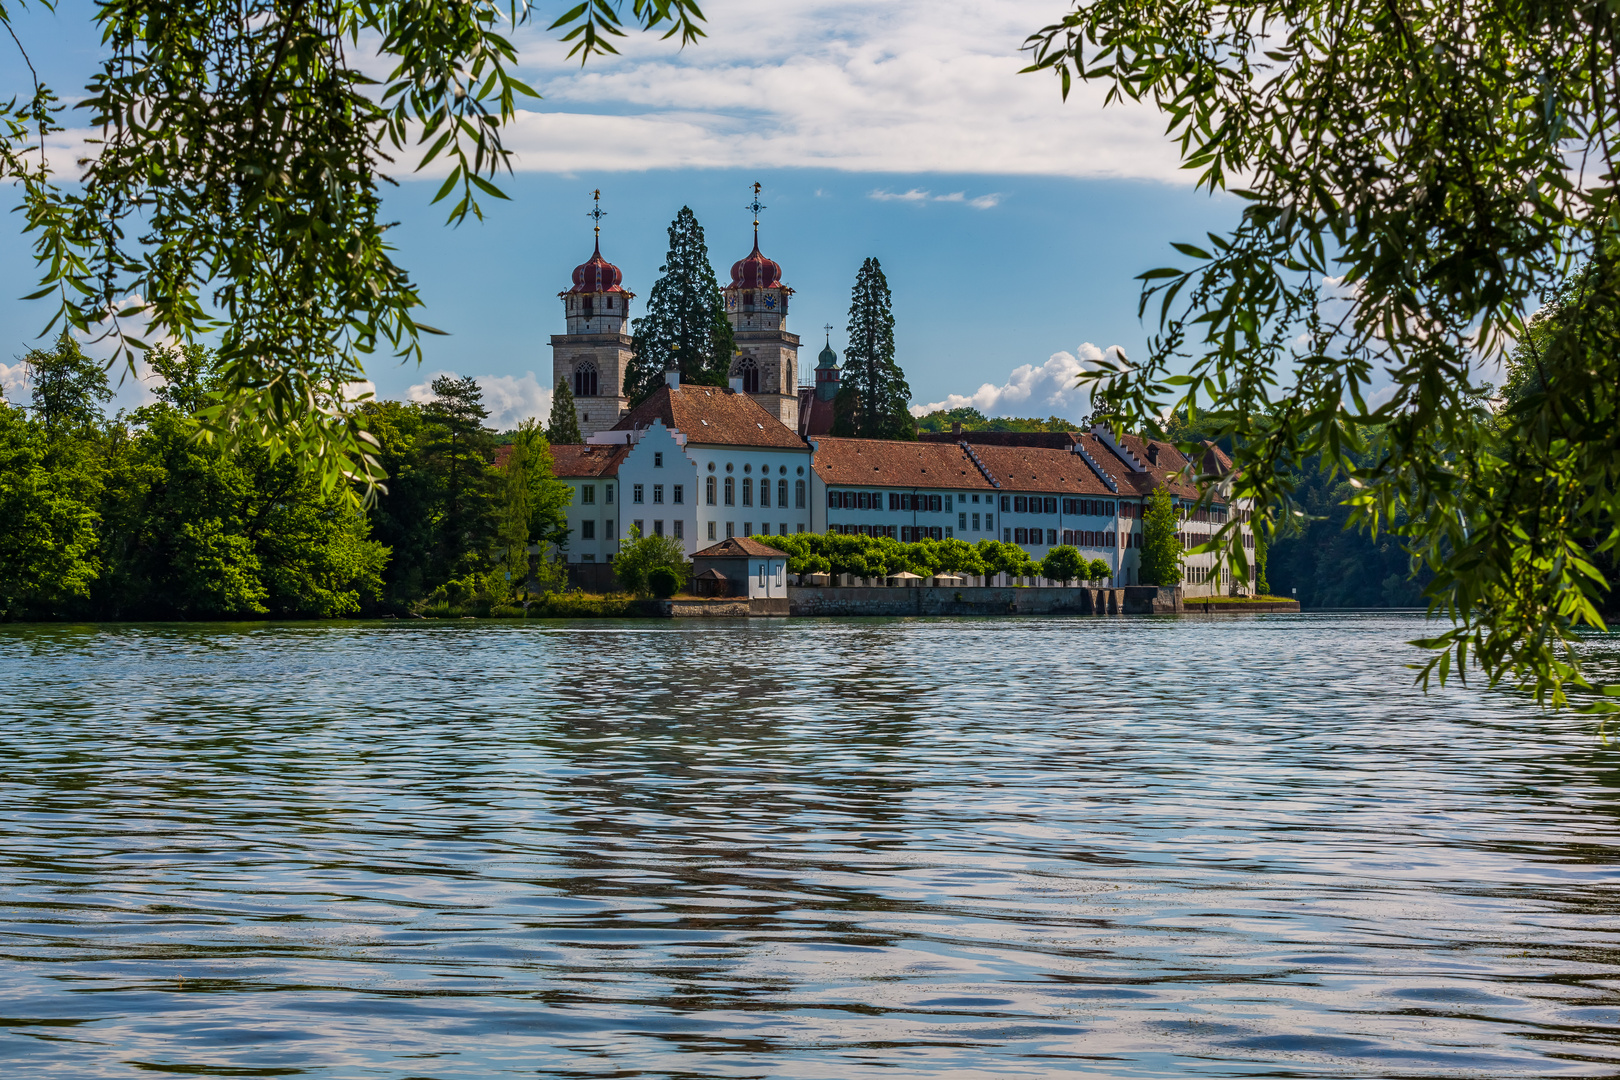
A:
(756, 206)
(596, 213)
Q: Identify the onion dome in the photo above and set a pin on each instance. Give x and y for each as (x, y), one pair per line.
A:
(756, 271)
(597, 275)
(828, 358)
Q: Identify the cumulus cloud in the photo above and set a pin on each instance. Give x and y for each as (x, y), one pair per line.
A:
(14, 382)
(510, 399)
(1047, 390)
(908, 86)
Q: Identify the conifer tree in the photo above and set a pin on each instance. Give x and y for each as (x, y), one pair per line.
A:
(685, 315)
(563, 426)
(1161, 550)
(872, 403)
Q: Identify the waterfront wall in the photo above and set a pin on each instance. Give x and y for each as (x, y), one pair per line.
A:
(949, 601)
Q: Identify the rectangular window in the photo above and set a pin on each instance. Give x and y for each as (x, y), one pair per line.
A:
(798, 494)
(1020, 505)
(731, 530)
(1051, 538)
(748, 528)
(587, 558)
(635, 494)
(658, 493)
(731, 492)
(1051, 505)
(961, 520)
(1068, 506)
(640, 526)
(947, 504)
(711, 530)
(658, 460)
(658, 528)
(1020, 536)
(947, 532)
(1006, 536)
(612, 533)
(680, 530)
(587, 494)
(863, 500)
(678, 495)
(989, 523)
(764, 492)
(709, 492)
(801, 526)
(1006, 504)
(587, 530)
(933, 504)
(976, 522)
(748, 493)
(609, 491)
(832, 500)
(894, 501)
(781, 528)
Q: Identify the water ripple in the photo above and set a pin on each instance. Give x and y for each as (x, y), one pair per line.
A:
(859, 848)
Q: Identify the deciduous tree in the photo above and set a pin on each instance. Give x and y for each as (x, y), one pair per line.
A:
(1161, 548)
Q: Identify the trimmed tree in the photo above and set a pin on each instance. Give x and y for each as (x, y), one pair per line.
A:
(1099, 570)
(562, 428)
(686, 316)
(1161, 549)
(1063, 563)
(873, 399)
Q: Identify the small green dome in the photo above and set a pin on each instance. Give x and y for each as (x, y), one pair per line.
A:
(828, 358)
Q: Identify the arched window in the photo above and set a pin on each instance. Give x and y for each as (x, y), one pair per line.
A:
(710, 491)
(798, 494)
(731, 491)
(588, 311)
(781, 493)
(585, 380)
(750, 375)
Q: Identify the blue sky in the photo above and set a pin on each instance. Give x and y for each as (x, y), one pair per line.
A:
(1010, 224)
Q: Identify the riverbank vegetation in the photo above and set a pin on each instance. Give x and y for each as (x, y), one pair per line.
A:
(880, 557)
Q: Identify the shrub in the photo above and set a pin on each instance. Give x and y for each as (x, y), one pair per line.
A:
(1098, 570)
(1064, 563)
(663, 582)
(638, 555)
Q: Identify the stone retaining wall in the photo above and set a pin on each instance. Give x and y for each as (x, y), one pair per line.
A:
(947, 601)
(1242, 607)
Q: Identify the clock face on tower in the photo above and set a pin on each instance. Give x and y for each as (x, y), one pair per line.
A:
(770, 301)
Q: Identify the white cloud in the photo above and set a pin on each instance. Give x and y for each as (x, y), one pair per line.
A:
(14, 382)
(907, 86)
(1047, 390)
(510, 399)
(917, 195)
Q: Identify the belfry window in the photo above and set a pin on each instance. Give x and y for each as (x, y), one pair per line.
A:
(585, 380)
(750, 375)
(588, 311)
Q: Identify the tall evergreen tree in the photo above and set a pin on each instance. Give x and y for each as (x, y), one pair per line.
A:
(460, 451)
(686, 315)
(563, 426)
(1161, 549)
(872, 402)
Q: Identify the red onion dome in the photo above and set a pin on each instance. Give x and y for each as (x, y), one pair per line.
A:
(597, 275)
(755, 272)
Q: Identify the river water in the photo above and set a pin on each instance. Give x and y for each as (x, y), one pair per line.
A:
(1220, 847)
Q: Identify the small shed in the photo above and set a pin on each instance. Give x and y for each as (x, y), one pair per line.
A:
(749, 568)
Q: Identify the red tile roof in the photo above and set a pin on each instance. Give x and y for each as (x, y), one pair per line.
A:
(587, 461)
(815, 415)
(712, 415)
(738, 547)
(1038, 468)
(883, 463)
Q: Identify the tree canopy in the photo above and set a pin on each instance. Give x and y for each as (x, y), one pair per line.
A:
(1161, 547)
(1417, 180)
(685, 321)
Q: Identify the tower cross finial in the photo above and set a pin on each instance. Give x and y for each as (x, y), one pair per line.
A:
(596, 214)
(828, 327)
(756, 206)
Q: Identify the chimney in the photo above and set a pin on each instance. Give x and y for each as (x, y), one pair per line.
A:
(672, 378)
(956, 429)
(736, 384)
(1153, 454)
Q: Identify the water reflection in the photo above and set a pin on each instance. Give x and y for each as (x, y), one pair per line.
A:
(987, 848)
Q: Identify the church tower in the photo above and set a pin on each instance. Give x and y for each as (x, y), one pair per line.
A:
(591, 358)
(767, 359)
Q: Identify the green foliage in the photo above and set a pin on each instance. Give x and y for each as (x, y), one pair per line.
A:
(1098, 570)
(189, 374)
(562, 429)
(236, 185)
(1439, 163)
(686, 318)
(640, 555)
(1001, 557)
(49, 519)
(663, 582)
(971, 419)
(69, 388)
(873, 397)
(1161, 548)
(459, 450)
(1064, 563)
